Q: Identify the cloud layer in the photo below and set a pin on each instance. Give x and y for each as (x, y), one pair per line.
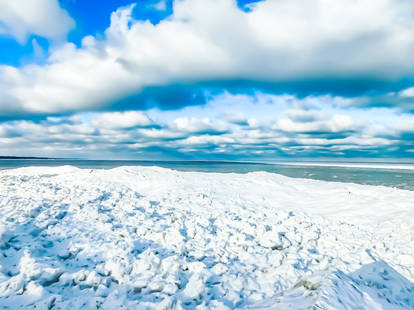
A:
(275, 41)
(259, 127)
(273, 79)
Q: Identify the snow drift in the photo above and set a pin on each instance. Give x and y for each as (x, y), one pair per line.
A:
(154, 238)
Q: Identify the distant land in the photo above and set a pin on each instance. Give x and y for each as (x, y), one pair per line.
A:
(24, 157)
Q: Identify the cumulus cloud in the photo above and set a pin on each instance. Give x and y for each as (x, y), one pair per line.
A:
(194, 125)
(276, 41)
(408, 92)
(405, 126)
(302, 116)
(45, 18)
(121, 120)
(280, 126)
(235, 117)
(208, 140)
(337, 123)
(402, 100)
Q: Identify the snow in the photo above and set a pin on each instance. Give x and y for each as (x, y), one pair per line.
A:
(154, 238)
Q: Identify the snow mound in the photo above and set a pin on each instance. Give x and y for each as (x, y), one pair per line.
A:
(154, 238)
(374, 286)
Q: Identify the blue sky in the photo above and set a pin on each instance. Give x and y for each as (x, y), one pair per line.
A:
(220, 79)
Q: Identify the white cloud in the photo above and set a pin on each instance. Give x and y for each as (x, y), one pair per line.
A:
(207, 139)
(337, 123)
(404, 125)
(235, 117)
(45, 18)
(99, 135)
(303, 115)
(409, 92)
(279, 40)
(161, 134)
(121, 120)
(193, 124)
(253, 123)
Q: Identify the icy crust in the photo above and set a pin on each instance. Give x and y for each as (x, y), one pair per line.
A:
(153, 238)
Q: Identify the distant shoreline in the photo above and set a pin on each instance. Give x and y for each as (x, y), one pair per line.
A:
(26, 157)
(328, 163)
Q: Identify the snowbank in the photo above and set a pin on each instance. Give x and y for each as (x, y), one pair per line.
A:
(154, 238)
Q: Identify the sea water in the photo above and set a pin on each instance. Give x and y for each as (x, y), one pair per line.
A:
(391, 176)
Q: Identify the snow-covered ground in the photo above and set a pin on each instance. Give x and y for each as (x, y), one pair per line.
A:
(154, 238)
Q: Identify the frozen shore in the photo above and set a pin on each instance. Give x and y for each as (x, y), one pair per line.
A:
(154, 238)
